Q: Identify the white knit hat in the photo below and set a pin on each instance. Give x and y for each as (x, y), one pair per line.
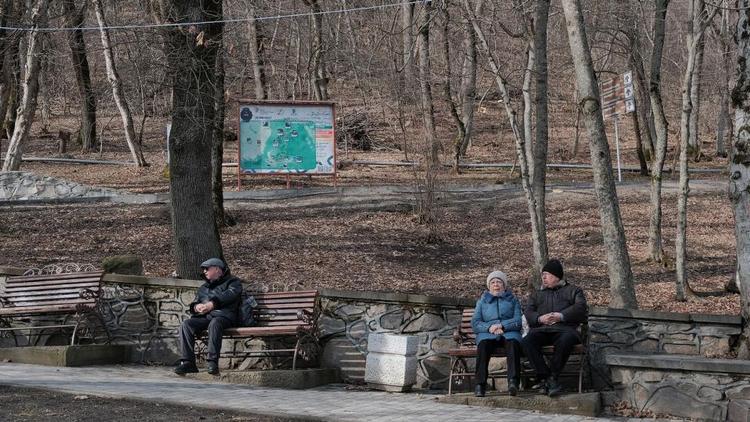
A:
(497, 274)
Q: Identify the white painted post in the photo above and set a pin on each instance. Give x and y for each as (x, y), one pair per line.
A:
(617, 149)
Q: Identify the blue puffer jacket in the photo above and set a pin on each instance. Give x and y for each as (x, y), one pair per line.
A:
(504, 309)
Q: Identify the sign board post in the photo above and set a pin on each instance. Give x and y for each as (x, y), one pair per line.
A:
(286, 138)
(617, 98)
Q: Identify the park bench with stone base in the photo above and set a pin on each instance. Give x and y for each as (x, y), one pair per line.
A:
(47, 304)
(467, 350)
(281, 319)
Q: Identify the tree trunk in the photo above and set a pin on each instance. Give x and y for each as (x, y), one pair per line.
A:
(539, 180)
(696, 30)
(694, 142)
(448, 91)
(468, 84)
(518, 134)
(217, 152)
(656, 248)
(528, 112)
(739, 171)
(428, 211)
(30, 88)
(620, 274)
(12, 93)
(407, 41)
(7, 15)
(724, 125)
(191, 59)
(257, 53)
(117, 92)
(318, 65)
(73, 19)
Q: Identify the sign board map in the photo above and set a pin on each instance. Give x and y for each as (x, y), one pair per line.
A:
(288, 138)
(617, 95)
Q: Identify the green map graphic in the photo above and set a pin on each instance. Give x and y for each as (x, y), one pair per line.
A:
(278, 145)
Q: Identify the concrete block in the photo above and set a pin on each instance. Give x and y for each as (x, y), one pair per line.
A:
(391, 370)
(277, 378)
(587, 404)
(67, 355)
(738, 411)
(392, 344)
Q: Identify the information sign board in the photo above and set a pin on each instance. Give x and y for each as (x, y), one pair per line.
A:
(287, 138)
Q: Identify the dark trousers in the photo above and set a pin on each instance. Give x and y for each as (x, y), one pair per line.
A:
(194, 325)
(485, 348)
(532, 344)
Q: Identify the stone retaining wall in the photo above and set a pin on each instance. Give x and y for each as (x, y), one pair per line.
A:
(619, 330)
(680, 385)
(146, 312)
(20, 185)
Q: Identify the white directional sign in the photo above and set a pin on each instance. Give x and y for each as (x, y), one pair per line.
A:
(617, 95)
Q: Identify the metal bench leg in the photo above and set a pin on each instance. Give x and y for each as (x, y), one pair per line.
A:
(450, 376)
(296, 350)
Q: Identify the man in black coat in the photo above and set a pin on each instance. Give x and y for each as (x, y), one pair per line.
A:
(215, 308)
(554, 314)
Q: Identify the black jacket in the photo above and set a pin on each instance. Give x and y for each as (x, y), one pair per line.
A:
(569, 300)
(225, 293)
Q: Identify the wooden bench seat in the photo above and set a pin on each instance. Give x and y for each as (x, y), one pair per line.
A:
(280, 315)
(73, 296)
(467, 349)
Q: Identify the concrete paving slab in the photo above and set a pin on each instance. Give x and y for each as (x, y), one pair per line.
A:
(333, 402)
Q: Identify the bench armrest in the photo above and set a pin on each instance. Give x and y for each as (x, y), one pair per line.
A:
(460, 337)
(306, 315)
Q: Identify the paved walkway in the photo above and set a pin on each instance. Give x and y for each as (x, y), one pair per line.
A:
(334, 403)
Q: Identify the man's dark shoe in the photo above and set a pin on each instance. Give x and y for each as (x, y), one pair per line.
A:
(554, 388)
(513, 387)
(479, 391)
(186, 367)
(540, 386)
(213, 368)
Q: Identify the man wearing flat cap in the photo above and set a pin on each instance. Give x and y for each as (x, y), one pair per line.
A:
(554, 314)
(216, 307)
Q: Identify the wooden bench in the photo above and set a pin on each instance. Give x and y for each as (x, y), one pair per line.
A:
(279, 315)
(467, 349)
(73, 297)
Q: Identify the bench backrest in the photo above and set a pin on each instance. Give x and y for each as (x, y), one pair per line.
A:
(466, 336)
(466, 333)
(49, 293)
(284, 309)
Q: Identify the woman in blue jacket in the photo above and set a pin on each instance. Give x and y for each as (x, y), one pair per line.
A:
(497, 324)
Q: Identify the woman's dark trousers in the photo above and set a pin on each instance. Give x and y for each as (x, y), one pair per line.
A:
(485, 348)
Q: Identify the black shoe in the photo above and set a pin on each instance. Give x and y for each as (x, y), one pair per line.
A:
(554, 388)
(479, 391)
(213, 368)
(186, 367)
(540, 386)
(513, 387)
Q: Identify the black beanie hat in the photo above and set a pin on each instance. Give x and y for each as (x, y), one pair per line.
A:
(554, 267)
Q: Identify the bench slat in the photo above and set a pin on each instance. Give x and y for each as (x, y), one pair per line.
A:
(292, 294)
(38, 310)
(62, 298)
(38, 286)
(51, 302)
(37, 293)
(263, 331)
(283, 302)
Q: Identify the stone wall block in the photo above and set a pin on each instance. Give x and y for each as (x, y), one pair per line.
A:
(714, 347)
(739, 392)
(330, 326)
(650, 376)
(646, 346)
(425, 322)
(681, 349)
(373, 310)
(672, 401)
(710, 394)
(393, 319)
(350, 310)
(171, 305)
(159, 294)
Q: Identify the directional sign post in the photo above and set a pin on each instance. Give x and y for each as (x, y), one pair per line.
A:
(617, 98)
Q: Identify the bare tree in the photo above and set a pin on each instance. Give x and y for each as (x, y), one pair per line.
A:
(656, 248)
(428, 211)
(117, 92)
(698, 20)
(618, 260)
(217, 152)
(407, 42)
(257, 51)
(724, 123)
(74, 17)
(30, 89)
(191, 57)
(518, 135)
(739, 170)
(319, 75)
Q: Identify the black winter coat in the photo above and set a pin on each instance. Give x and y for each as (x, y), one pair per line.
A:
(569, 300)
(225, 293)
